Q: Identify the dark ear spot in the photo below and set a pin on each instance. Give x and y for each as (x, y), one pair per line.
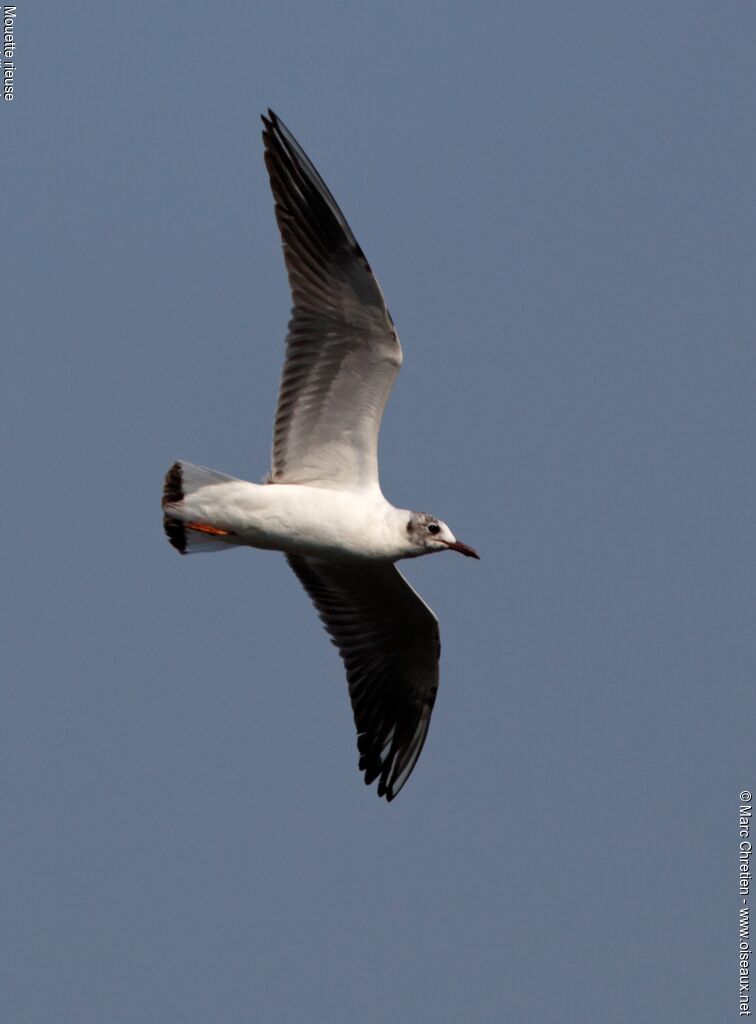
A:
(409, 526)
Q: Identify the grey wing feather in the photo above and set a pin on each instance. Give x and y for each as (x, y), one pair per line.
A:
(389, 641)
(342, 351)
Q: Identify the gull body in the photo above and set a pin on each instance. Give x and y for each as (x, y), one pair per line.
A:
(303, 520)
(322, 505)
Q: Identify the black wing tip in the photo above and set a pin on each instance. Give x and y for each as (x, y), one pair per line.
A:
(298, 187)
(383, 790)
(273, 126)
(281, 145)
(387, 792)
(373, 768)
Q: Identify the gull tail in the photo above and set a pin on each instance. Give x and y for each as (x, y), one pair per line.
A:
(185, 531)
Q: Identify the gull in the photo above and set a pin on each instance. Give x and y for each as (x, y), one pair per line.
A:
(321, 504)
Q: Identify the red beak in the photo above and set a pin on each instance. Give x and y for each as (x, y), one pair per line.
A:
(463, 549)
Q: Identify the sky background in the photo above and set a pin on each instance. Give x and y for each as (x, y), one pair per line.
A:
(558, 200)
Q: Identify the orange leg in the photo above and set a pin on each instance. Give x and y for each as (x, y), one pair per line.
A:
(206, 528)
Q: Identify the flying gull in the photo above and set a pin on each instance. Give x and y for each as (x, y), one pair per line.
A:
(321, 504)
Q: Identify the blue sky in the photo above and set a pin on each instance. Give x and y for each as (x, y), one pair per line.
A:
(558, 201)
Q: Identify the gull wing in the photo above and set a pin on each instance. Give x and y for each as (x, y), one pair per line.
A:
(389, 640)
(342, 351)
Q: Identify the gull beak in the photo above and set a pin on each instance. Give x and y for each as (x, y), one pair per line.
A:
(464, 549)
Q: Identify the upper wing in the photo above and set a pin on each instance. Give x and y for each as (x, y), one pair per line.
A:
(342, 351)
(389, 640)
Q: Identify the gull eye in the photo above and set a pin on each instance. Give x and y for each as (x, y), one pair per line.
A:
(434, 528)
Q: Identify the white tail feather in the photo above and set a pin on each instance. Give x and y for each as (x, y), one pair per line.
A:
(182, 480)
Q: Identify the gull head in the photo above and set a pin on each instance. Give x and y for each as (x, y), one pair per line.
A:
(426, 535)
